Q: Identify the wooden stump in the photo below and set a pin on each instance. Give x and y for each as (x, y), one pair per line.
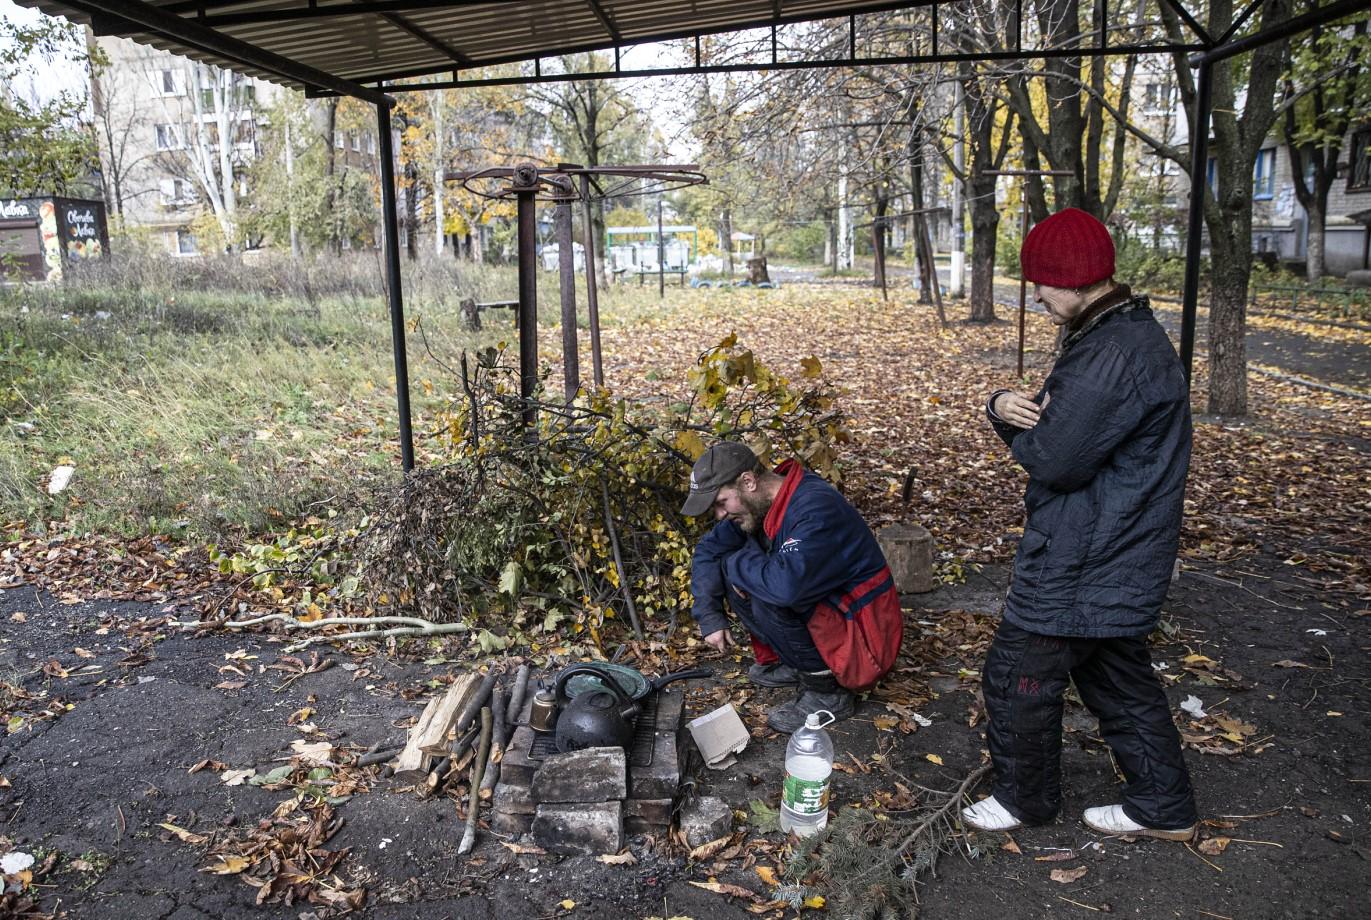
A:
(471, 313)
(756, 270)
(908, 549)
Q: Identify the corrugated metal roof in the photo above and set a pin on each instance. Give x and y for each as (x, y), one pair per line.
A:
(386, 39)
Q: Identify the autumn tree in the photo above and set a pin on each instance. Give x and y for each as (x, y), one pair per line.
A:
(1327, 85)
(46, 144)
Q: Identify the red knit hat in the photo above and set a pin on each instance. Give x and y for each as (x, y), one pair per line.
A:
(1071, 249)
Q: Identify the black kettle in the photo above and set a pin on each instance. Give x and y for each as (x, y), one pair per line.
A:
(600, 718)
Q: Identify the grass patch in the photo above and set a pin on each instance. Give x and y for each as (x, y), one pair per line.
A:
(209, 397)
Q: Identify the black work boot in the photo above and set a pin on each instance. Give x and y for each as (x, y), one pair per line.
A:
(773, 675)
(818, 691)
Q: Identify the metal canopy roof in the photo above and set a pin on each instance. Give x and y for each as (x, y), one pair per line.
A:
(321, 45)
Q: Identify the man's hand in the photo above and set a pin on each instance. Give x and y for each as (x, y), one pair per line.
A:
(1019, 409)
(720, 639)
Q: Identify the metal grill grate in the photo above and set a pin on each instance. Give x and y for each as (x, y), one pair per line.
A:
(639, 751)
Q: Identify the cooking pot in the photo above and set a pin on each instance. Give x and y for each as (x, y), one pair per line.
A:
(598, 709)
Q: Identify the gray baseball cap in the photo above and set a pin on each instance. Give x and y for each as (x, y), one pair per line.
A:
(716, 468)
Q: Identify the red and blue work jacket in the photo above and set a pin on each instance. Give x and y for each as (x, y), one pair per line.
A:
(817, 560)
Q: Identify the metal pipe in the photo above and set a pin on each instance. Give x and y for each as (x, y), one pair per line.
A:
(592, 283)
(1292, 26)
(1023, 283)
(1199, 187)
(528, 300)
(566, 265)
(661, 255)
(394, 294)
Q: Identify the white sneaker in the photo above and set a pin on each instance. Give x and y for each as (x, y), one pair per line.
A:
(989, 815)
(1110, 819)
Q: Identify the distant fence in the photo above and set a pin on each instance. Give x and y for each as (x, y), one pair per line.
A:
(1320, 300)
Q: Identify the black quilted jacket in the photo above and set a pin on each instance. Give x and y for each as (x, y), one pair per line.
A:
(1107, 463)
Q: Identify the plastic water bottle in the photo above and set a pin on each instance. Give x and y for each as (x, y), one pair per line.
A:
(808, 766)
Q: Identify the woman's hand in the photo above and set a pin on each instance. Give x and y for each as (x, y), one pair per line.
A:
(1019, 409)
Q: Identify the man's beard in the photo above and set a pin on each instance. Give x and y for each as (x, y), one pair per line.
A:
(755, 509)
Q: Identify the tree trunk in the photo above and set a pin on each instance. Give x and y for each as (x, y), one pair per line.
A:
(985, 220)
(1227, 325)
(726, 232)
(1314, 252)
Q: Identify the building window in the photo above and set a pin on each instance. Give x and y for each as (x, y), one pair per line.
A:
(176, 192)
(356, 141)
(1359, 162)
(167, 138)
(371, 142)
(338, 140)
(185, 243)
(1264, 174)
(169, 82)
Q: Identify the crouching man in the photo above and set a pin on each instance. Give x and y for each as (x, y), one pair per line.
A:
(802, 572)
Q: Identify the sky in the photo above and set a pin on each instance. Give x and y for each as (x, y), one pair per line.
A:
(46, 78)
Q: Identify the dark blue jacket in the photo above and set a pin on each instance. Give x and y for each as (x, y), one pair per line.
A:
(1107, 462)
(821, 550)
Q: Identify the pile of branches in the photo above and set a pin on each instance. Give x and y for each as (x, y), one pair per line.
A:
(559, 517)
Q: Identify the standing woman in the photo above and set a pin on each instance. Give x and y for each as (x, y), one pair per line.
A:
(1106, 444)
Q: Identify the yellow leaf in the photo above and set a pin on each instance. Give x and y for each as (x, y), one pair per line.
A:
(815, 902)
(181, 832)
(768, 875)
(690, 444)
(566, 904)
(812, 367)
(934, 758)
(229, 865)
(885, 723)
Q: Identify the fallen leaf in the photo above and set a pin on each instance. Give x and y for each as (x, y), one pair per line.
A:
(19, 617)
(885, 723)
(206, 764)
(1288, 663)
(183, 834)
(934, 758)
(815, 902)
(1067, 876)
(566, 904)
(1334, 713)
(83, 653)
(236, 777)
(1063, 856)
(1012, 847)
(229, 865)
(231, 685)
(733, 891)
(617, 859)
(318, 753)
(706, 850)
(767, 874)
(1214, 846)
(524, 849)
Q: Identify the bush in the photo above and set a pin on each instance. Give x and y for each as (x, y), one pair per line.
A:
(521, 533)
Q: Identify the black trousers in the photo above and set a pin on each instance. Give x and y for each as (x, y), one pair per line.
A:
(1024, 679)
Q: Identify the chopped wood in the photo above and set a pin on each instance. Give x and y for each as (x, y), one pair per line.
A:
(429, 736)
(516, 696)
(476, 701)
(474, 798)
(499, 737)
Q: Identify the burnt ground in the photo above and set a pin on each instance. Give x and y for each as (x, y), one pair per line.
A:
(1284, 660)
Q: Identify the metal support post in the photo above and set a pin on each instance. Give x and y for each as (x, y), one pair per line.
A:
(566, 259)
(1199, 182)
(394, 294)
(525, 183)
(592, 282)
(661, 255)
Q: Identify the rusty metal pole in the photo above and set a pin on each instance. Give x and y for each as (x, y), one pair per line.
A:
(394, 289)
(525, 184)
(592, 294)
(566, 259)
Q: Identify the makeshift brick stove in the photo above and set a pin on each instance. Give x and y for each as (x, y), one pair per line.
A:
(586, 801)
